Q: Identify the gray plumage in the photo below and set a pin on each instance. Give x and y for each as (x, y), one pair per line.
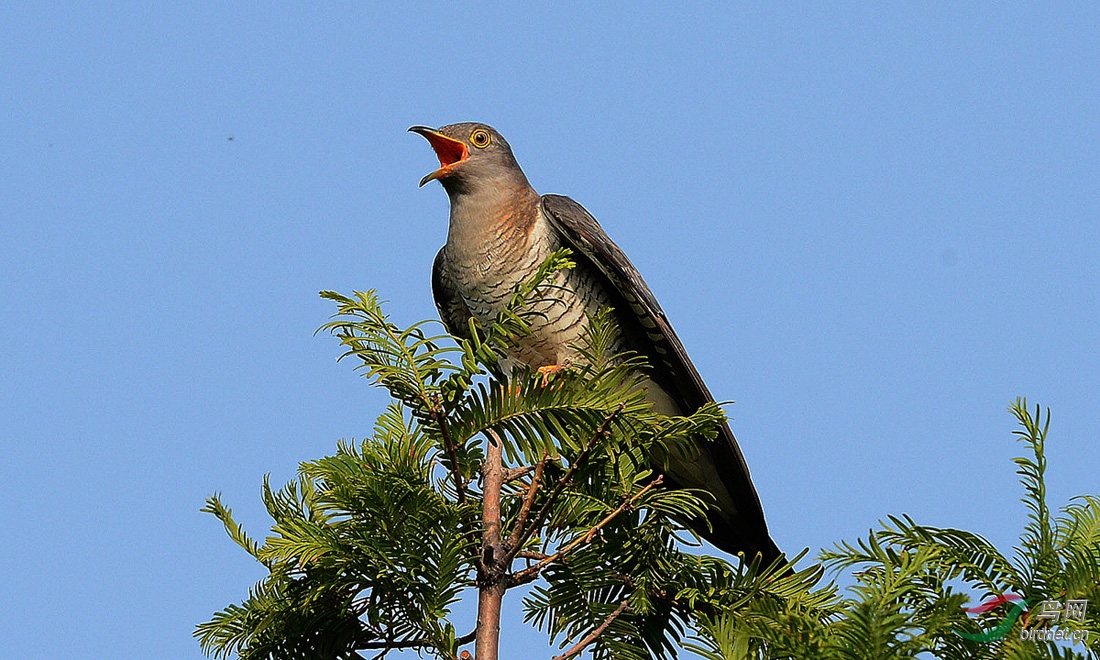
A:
(500, 232)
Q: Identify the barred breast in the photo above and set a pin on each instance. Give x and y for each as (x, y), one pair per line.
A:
(488, 275)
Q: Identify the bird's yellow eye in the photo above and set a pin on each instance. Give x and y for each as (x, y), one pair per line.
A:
(480, 138)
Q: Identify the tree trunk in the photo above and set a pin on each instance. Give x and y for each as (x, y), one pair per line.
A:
(489, 600)
(491, 586)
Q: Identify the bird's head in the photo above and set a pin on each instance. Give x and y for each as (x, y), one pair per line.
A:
(471, 155)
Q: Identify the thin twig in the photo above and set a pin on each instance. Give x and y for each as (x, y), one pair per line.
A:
(528, 499)
(591, 637)
(563, 483)
(511, 474)
(440, 416)
(391, 644)
(440, 419)
(530, 573)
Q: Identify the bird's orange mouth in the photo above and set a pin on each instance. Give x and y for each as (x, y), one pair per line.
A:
(449, 151)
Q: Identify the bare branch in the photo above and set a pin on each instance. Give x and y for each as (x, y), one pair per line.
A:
(596, 632)
(532, 572)
(511, 474)
(528, 499)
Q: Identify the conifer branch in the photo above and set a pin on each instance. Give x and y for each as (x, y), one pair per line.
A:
(516, 543)
(391, 645)
(596, 632)
(440, 418)
(528, 574)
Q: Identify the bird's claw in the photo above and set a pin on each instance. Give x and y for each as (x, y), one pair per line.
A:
(551, 369)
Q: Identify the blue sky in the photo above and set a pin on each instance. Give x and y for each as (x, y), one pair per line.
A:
(873, 228)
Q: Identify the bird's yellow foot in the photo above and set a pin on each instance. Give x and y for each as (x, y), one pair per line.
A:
(551, 369)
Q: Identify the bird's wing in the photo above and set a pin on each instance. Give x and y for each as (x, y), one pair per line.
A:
(452, 308)
(640, 315)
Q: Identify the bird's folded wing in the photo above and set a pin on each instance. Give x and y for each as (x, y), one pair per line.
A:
(584, 235)
(452, 308)
(747, 530)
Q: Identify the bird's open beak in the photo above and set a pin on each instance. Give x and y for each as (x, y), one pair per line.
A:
(450, 151)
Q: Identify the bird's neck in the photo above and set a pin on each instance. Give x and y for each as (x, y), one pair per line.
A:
(491, 218)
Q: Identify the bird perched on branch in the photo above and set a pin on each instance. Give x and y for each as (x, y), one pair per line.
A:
(500, 232)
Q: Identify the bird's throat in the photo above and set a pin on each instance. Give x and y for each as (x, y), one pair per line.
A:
(492, 220)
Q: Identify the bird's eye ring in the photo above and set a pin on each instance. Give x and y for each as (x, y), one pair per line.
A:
(480, 138)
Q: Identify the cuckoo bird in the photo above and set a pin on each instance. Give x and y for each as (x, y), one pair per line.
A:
(500, 232)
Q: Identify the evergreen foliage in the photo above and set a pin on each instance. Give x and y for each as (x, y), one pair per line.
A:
(912, 581)
(478, 481)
